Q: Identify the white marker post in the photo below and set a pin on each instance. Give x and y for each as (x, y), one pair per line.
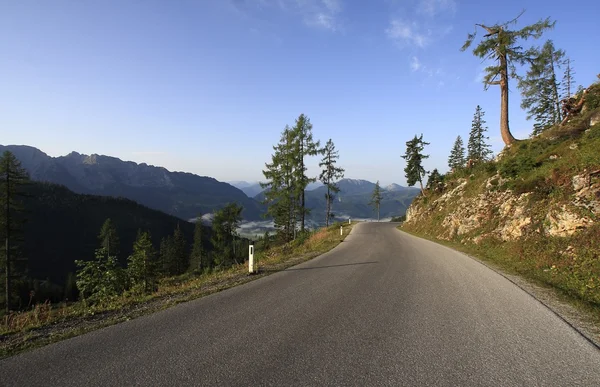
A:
(349, 220)
(251, 267)
(341, 230)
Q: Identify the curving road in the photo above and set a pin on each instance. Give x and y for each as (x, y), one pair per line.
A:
(383, 308)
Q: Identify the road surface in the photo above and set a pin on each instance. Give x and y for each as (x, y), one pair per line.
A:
(382, 309)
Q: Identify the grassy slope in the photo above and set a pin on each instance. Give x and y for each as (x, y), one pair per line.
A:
(570, 265)
(46, 324)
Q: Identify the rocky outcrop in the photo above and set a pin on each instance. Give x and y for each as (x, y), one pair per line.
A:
(504, 215)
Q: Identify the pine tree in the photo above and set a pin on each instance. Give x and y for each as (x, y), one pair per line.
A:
(478, 149)
(198, 261)
(457, 155)
(540, 89)
(329, 175)
(224, 225)
(376, 198)
(304, 146)
(13, 179)
(109, 238)
(280, 193)
(180, 256)
(414, 157)
(501, 45)
(141, 264)
(166, 256)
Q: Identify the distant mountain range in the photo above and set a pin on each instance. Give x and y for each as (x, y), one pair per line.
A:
(353, 200)
(184, 195)
(253, 189)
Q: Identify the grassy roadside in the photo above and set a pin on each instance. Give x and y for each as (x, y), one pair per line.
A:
(541, 284)
(47, 323)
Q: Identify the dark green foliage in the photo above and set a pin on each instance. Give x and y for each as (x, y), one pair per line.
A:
(287, 180)
(304, 145)
(376, 199)
(457, 155)
(329, 175)
(435, 181)
(109, 238)
(281, 186)
(63, 226)
(224, 226)
(414, 157)
(101, 279)
(142, 265)
(174, 258)
(12, 183)
(478, 148)
(540, 88)
(199, 259)
(70, 289)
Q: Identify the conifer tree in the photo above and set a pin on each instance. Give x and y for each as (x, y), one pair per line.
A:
(280, 193)
(540, 88)
(414, 170)
(329, 175)
(224, 226)
(197, 259)
(12, 181)
(141, 264)
(180, 256)
(166, 256)
(109, 238)
(376, 198)
(502, 46)
(304, 146)
(478, 148)
(457, 155)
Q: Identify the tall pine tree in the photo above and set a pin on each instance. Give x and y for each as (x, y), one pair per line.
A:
(12, 181)
(198, 257)
(376, 198)
(414, 170)
(280, 188)
(501, 45)
(478, 148)
(304, 146)
(329, 175)
(457, 155)
(142, 264)
(224, 226)
(540, 88)
(109, 238)
(568, 81)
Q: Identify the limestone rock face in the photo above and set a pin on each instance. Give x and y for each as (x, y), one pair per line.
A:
(563, 222)
(502, 214)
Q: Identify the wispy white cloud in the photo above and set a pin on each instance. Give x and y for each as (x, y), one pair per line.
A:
(415, 65)
(322, 14)
(406, 33)
(432, 8)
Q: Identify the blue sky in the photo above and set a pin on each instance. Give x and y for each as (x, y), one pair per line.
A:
(207, 86)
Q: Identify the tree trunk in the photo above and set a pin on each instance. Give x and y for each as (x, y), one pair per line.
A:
(507, 136)
(328, 209)
(7, 265)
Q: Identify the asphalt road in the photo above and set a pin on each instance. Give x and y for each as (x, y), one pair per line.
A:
(383, 308)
